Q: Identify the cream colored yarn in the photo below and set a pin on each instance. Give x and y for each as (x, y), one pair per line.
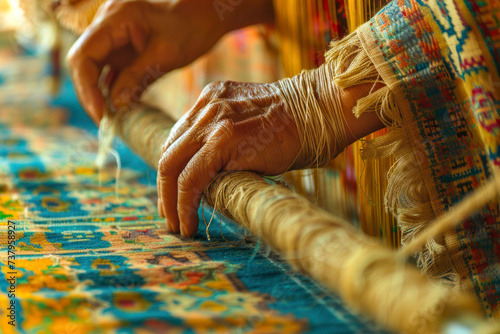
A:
(320, 121)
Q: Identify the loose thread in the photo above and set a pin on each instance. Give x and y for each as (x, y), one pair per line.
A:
(207, 226)
(117, 173)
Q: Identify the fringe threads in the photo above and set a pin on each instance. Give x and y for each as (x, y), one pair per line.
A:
(406, 196)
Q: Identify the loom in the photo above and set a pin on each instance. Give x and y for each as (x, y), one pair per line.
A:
(368, 276)
(325, 247)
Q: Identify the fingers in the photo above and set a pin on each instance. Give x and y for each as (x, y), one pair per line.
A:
(193, 180)
(171, 164)
(177, 131)
(194, 116)
(185, 169)
(85, 71)
(201, 144)
(209, 93)
(88, 56)
(159, 204)
(133, 80)
(160, 208)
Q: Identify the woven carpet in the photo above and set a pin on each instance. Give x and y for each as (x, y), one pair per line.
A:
(89, 255)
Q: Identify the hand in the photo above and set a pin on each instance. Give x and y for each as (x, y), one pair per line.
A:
(233, 126)
(239, 126)
(143, 39)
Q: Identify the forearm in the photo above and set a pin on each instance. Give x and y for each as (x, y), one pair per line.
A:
(236, 14)
(214, 18)
(367, 123)
(223, 16)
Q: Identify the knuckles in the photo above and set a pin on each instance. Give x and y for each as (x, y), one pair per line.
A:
(210, 91)
(225, 130)
(215, 121)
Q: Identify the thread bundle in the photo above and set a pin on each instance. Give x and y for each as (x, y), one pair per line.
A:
(320, 120)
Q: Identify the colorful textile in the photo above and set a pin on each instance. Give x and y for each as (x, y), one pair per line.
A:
(92, 256)
(441, 59)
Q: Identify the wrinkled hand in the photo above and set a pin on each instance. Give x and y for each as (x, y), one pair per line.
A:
(140, 40)
(242, 126)
(233, 126)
